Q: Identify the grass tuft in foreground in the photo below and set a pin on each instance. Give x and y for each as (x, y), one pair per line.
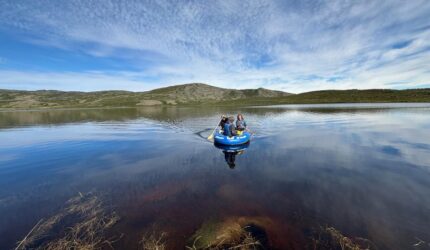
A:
(84, 222)
(233, 233)
(80, 225)
(153, 241)
(331, 238)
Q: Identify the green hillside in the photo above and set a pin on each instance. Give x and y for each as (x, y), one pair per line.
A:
(198, 94)
(347, 96)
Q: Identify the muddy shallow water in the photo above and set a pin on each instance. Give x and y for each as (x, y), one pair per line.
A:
(362, 169)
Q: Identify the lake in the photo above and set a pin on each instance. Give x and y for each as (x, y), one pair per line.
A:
(311, 175)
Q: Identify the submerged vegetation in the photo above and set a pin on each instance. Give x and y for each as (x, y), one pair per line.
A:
(80, 225)
(331, 238)
(199, 94)
(232, 233)
(153, 241)
(84, 221)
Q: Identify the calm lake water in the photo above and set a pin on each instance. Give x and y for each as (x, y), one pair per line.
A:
(362, 169)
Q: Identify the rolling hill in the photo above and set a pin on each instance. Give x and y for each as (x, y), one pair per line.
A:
(194, 93)
(198, 94)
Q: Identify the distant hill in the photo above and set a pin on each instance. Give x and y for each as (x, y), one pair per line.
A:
(198, 94)
(348, 96)
(368, 95)
(187, 94)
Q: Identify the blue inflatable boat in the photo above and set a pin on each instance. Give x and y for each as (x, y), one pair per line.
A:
(233, 140)
(232, 148)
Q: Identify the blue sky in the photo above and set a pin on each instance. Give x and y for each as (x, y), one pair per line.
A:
(294, 46)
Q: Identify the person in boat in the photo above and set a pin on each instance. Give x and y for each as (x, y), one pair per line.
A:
(240, 123)
(229, 129)
(223, 121)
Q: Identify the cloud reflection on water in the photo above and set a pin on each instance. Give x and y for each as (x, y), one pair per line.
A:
(365, 172)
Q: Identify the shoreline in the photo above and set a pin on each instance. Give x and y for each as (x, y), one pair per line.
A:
(192, 105)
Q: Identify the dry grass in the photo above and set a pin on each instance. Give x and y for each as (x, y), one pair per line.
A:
(84, 221)
(153, 241)
(331, 238)
(80, 225)
(245, 242)
(225, 235)
(344, 242)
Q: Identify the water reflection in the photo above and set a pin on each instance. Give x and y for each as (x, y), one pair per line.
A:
(230, 152)
(364, 172)
(11, 119)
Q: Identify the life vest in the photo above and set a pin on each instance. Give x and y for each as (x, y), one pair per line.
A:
(226, 129)
(241, 124)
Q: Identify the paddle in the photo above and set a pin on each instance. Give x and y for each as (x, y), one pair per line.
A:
(250, 131)
(213, 132)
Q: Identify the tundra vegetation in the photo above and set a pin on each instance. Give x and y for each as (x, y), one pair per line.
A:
(85, 221)
(199, 94)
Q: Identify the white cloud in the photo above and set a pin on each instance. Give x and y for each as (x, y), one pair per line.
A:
(290, 45)
(72, 81)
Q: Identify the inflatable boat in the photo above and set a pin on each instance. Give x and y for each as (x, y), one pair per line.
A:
(232, 148)
(233, 140)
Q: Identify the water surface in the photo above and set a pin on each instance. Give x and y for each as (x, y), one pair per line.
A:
(363, 169)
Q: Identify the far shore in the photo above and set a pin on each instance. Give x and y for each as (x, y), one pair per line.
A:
(197, 94)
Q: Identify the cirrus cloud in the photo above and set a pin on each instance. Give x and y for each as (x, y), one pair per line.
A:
(287, 45)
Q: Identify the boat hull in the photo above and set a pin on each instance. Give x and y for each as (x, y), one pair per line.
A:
(245, 137)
